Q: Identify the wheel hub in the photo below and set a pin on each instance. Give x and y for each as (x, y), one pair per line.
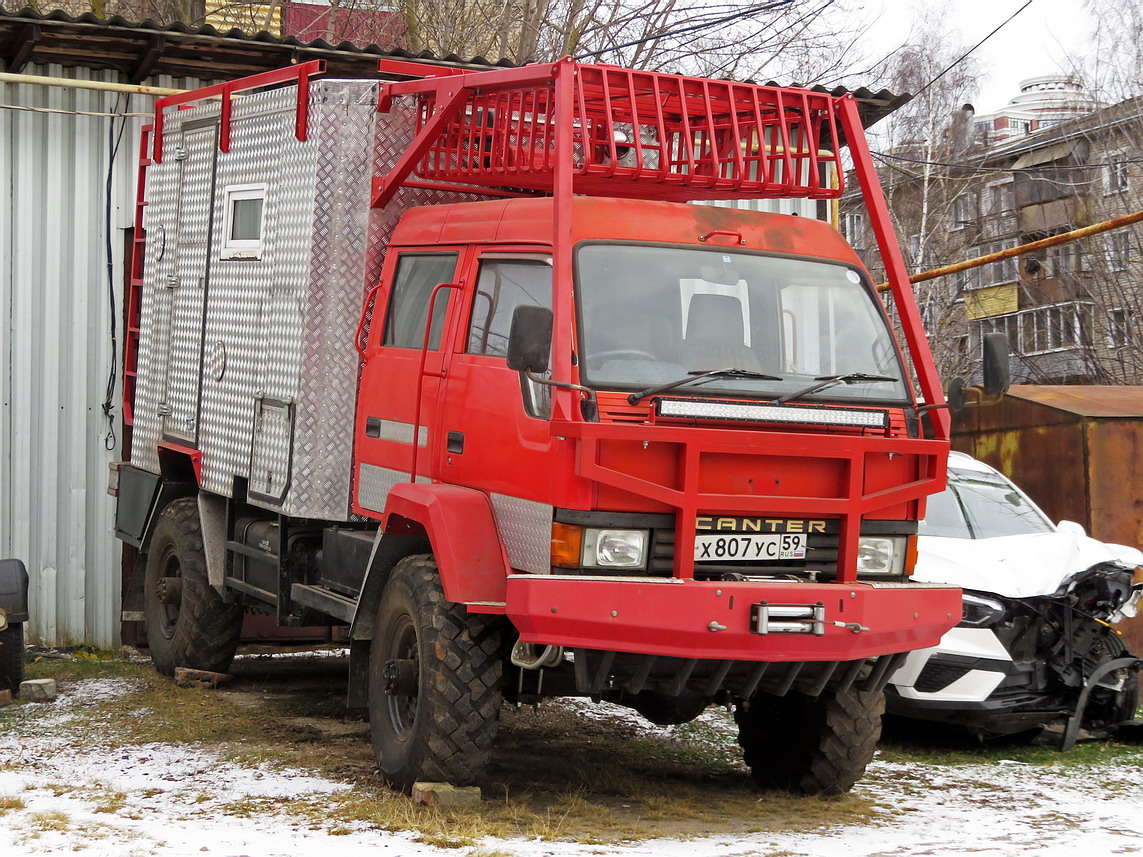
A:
(401, 677)
(169, 591)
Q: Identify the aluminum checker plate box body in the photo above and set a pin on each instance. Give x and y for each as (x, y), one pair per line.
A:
(249, 356)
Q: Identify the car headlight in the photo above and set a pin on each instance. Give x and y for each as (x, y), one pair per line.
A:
(614, 548)
(980, 612)
(880, 555)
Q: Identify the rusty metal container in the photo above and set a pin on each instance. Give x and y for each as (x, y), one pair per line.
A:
(1076, 450)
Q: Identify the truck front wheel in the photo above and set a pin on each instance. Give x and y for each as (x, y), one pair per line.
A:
(810, 745)
(188, 622)
(434, 682)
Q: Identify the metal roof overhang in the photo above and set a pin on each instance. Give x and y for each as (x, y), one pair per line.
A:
(1045, 155)
(138, 50)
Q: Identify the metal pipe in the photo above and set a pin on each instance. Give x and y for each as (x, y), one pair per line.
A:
(105, 86)
(1062, 238)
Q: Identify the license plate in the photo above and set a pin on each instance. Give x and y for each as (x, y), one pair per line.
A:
(750, 548)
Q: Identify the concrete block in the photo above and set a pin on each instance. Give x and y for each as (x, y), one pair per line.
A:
(5, 697)
(39, 689)
(445, 795)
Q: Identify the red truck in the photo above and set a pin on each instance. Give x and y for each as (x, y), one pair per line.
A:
(448, 359)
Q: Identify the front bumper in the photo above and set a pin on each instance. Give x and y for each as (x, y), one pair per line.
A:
(712, 619)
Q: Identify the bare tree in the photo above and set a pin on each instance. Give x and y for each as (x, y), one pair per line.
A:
(917, 143)
(1113, 62)
(806, 41)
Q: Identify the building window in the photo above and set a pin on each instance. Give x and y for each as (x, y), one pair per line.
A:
(244, 221)
(1068, 258)
(1115, 174)
(995, 273)
(915, 249)
(1118, 249)
(1120, 325)
(964, 211)
(1019, 127)
(998, 198)
(1058, 327)
(853, 225)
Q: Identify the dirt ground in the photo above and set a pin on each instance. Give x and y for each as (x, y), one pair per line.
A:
(691, 777)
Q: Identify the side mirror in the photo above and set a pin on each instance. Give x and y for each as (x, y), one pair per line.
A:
(995, 364)
(955, 395)
(530, 339)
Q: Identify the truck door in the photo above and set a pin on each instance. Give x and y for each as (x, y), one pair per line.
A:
(493, 422)
(181, 299)
(398, 403)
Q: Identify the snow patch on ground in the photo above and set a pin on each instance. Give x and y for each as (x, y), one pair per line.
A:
(60, 794)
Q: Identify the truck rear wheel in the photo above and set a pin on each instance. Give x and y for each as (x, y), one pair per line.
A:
(188, 622)
(434, 682)
(12, 657)
(808, 745)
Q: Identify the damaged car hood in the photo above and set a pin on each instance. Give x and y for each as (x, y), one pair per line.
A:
(1015, 566)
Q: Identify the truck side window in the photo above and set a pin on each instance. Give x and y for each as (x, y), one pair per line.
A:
(417, 275)
(503, 285)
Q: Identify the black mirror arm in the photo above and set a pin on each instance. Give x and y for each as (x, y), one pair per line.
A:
(923, 408)
(589, 393)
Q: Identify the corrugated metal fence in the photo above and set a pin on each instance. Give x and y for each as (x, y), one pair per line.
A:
(56, 351)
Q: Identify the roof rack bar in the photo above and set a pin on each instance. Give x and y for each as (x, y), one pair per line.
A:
(301, 73)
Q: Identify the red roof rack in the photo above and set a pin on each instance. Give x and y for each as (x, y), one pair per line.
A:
(634, 133)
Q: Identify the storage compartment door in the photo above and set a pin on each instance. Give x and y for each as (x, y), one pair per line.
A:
(185, 293)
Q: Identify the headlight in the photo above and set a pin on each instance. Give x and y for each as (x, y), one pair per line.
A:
(980, 612)
(880, 555)
(614, 548)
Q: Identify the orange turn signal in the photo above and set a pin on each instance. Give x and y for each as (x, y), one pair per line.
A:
(910, 554)
(567, 545)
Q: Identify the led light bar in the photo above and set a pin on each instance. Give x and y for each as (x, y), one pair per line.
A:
(703, 409)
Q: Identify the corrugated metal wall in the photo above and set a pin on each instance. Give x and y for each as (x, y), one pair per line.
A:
(55, 342)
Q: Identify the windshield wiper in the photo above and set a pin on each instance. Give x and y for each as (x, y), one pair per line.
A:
(824, 381)
(698, 375)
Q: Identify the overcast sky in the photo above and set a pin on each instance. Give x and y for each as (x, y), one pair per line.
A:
(1034, 43)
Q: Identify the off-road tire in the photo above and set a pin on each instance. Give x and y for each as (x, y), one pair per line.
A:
(808, 745)
(12, 657)
(201, 631)
(444, 730)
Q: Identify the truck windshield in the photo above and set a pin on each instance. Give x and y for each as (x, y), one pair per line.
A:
(649, 315)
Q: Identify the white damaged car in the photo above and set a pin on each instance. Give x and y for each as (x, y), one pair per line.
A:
(1040, 603)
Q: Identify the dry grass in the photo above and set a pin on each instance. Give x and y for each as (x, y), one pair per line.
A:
(49, 820)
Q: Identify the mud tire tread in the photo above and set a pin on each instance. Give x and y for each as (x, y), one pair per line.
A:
(812, 746)
(460, 689)
(208, 628)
